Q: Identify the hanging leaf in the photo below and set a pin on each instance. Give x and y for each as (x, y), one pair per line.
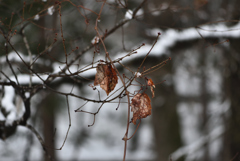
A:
(140, 106)
(106, 76)
(151, 84)
(100, 74)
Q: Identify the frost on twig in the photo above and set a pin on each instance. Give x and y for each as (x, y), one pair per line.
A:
(95, 40)
(138, 75)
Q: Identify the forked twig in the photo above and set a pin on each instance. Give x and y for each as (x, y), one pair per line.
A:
(135, 130)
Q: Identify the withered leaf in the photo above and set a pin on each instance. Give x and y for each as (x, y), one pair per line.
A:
(106, 76)
(151, 84)
(152, 90)
(140, 106)
(100, 74)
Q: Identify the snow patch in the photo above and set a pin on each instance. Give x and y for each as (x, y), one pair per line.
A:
(36, 17)
(128, 14)
(51, 10)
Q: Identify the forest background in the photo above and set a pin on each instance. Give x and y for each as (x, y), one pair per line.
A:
(49, 51)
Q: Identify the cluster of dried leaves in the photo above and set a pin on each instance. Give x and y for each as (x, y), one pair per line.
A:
(106, 76)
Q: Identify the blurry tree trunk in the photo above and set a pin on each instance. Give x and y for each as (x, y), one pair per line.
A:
(48, 112)
(165, 119)
(48, 120)
(231, 146)
(204, 97)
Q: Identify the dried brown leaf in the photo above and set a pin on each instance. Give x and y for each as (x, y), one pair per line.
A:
(100, 74)
(151, 84)
(140, 106)
(106, 76)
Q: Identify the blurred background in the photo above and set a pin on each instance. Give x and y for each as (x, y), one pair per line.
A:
(195, 112)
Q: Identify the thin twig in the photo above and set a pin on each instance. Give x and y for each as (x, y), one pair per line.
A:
(40, 139)
(69, 126)
(30, 56)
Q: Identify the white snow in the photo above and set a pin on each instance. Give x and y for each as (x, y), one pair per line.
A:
(137, 74)
(8, 98)
(36, 17)
(128, 14)
(95, 40)
(192, 150)
(51, 10)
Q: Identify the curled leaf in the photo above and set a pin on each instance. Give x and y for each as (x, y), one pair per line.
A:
(106, 76)
(140, 106)
(153, 94)
(151, 84)
(100, 74)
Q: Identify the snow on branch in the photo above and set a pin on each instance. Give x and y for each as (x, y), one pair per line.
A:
(190, 150)
(170, 37)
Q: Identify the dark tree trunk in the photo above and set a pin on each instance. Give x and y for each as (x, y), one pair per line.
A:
(164, 115)
(48, 118)
(231, 147)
